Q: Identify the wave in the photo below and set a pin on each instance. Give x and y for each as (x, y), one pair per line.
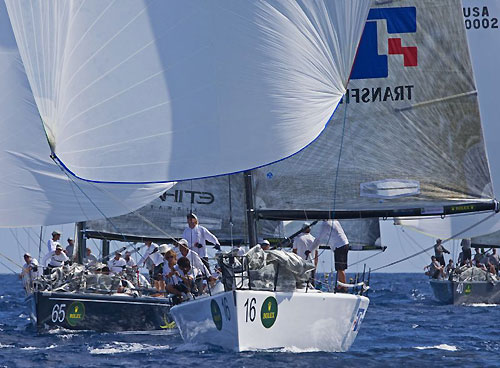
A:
(122, 347)
(482, 305)
(28, 348)
(440, 347)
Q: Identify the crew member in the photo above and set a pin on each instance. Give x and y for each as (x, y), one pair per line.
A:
(70, 248)
(55, 258)
(439, 251)
(90, 259)
(145, 261)
(51, 244)
(332, 234)
(117, 263)
(303, 245)
(130, 261)
(29, 272)
(197, 235)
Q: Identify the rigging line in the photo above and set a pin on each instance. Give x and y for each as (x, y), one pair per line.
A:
(18, 242)
(337, 171)
(10, 269)
(431, 247)
(413, 240)
(56, 160)
(364, 259)
(30, 235)
(230, 211)
(9, 259)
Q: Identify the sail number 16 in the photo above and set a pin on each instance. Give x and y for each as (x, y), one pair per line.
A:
(250, 311)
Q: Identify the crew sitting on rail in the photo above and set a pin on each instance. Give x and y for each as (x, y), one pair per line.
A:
(435, 270)
(117, 263)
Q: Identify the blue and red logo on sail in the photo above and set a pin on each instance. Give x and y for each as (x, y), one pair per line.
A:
(369, 63)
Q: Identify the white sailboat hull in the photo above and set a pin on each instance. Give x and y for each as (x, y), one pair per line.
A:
(251, 320)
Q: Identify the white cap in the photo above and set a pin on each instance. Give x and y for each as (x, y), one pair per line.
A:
(192, 215)
(266, 242)
(183, 242)
(163, 248)
(56, 232)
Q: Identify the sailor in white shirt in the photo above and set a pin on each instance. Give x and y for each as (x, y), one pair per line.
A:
(51, 244)
(197, 235)
(145, 261)
(128, 258)
(332, 234)
(55, 258)
(30, 271)
(117, 263)
(303, 245)
(193, 257)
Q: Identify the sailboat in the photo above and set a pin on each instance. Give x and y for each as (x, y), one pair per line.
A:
(128, 98)
(475, 285)
(405, 141)
(105, 97)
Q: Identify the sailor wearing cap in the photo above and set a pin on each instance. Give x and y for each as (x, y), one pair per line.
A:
(70, 248)
(265, 245)
(303, 245)
(51, 244)
(197, 235)
(117, 263)
(55, 258)
(30, 271)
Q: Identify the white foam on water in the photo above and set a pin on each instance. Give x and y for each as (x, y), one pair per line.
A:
(440, 347)
(482, 305)
(28, 348)
(3, 346)
(295, 350)
(122, 347)
(414, 326)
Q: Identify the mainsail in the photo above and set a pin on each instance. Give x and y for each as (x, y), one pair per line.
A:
(481, 20)
(155, 91)
(406, 139)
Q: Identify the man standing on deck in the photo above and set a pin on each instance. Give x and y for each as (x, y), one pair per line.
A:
(70, 249)
(332, 234)
(466, 251)
(197, 235)
(51, 244)
(439, 251)
(303, 245)
(147, 262)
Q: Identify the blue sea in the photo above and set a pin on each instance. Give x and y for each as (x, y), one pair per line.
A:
(404, 326)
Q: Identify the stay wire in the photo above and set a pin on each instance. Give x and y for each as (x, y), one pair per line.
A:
(431, 247)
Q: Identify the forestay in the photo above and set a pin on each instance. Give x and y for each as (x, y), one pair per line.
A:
(407, 134)
(33, 189)
(154, 91)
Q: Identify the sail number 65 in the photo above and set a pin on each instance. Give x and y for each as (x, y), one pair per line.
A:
(58, 313)
(250, 311)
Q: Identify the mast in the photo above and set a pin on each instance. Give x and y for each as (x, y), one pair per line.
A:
(81, 241)
(105, 248)
(251, 215)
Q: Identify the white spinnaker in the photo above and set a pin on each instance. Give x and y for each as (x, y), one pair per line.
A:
(149, 91)
(482, 19)
(33, 189)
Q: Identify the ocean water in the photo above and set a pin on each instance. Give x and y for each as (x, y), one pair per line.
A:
(404, 326)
